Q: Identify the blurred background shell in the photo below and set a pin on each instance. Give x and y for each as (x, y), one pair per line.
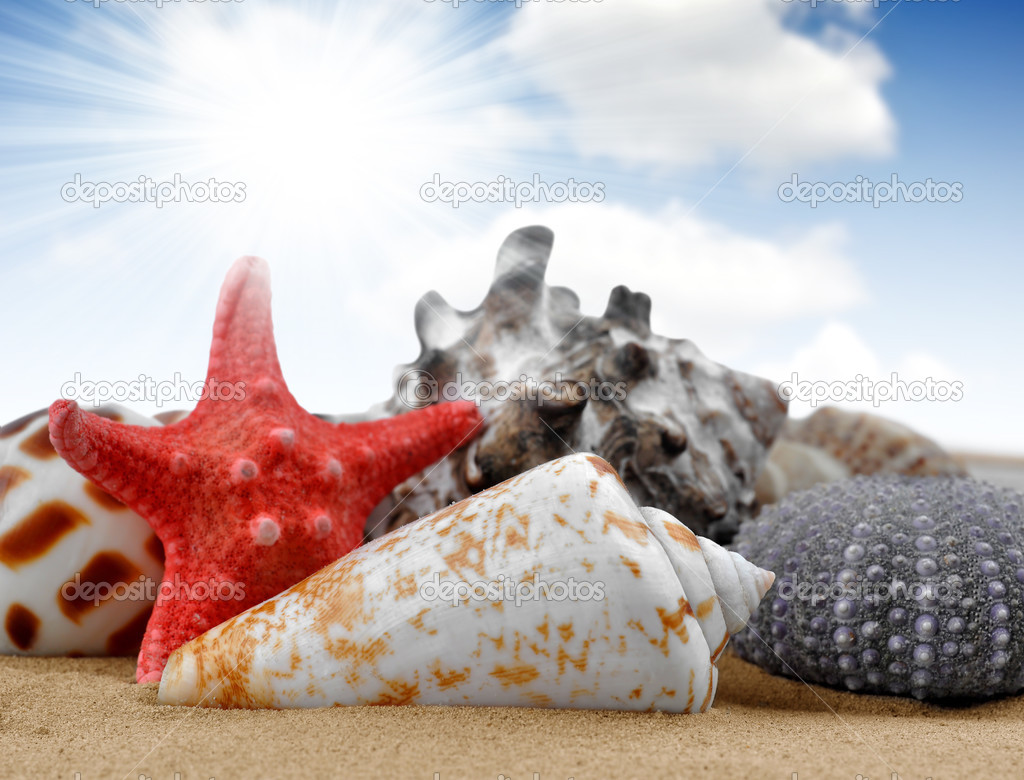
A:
(834, 444)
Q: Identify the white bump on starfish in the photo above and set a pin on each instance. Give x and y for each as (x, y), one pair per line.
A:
(322, 526)
(243, 470)
(179, 464)
(283, 436)
(333, 468)
(267, 386)
(265, 531)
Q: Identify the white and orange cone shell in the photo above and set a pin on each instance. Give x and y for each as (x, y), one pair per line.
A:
(618, 608)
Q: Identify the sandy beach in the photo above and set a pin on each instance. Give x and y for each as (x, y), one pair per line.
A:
(84, 719)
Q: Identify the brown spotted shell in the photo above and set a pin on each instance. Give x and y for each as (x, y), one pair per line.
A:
(74, 561)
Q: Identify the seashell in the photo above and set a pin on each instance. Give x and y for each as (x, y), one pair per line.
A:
(632, 612)
(57, 529)
(892, 585)
(688, 435)
(793, 466)
(834, 444)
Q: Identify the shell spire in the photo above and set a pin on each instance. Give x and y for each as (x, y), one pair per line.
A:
(525, 253)
(633, 308)
(737, 584)
(552, 589)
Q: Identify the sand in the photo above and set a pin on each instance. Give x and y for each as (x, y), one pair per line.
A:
(60, 717)
(85, 719)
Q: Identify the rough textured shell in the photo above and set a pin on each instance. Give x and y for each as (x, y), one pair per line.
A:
(834, 444)
(892, 584)
(57, 529)
(688, 435)
(645, 610)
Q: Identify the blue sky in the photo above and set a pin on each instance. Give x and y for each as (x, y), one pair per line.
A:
(689, 114)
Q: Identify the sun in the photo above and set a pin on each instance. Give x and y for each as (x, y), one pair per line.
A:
(317, 120)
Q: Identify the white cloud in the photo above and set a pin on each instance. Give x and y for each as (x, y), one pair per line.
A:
(837, 353)
(920, 365)
(708, 283)
(656, 82)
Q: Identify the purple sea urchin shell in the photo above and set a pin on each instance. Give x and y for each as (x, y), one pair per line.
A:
(930, 603)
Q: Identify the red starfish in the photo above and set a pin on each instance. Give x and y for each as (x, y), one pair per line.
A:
(249, 494)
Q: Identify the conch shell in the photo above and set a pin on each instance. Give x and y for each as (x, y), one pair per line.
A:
(687, 435)
(551, 589)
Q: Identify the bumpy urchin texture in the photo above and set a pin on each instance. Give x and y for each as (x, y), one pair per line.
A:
(893, 585)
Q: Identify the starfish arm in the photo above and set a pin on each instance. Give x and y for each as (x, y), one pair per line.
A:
(111, 454)
(407, 443)
(163, 632)
(243, 331)
(176, 619)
